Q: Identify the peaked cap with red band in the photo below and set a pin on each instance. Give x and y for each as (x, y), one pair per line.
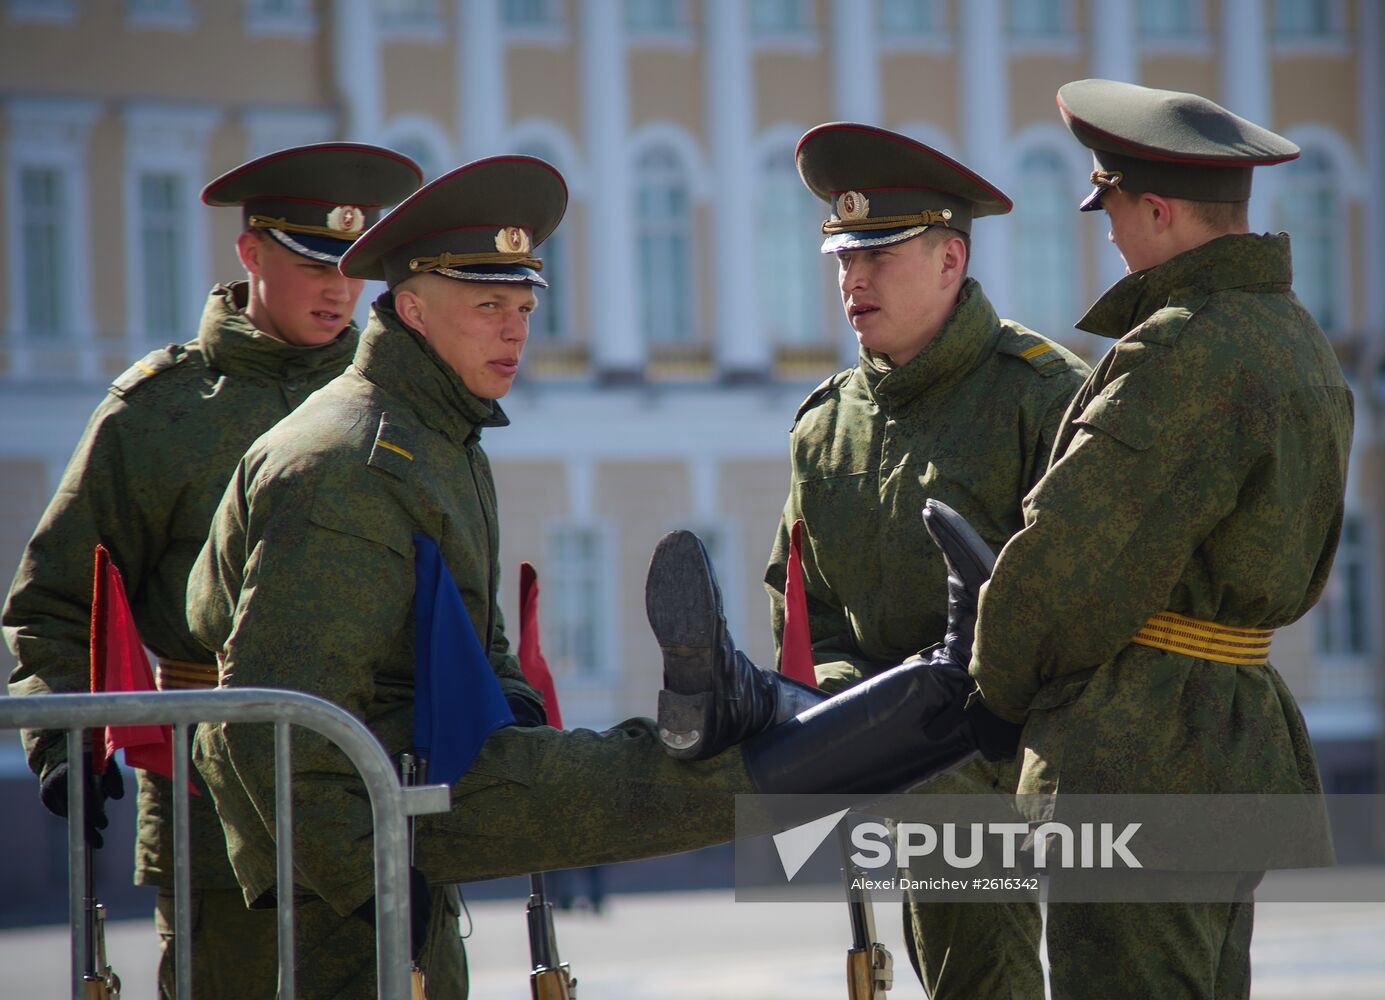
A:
(316, 200)
(481, 222)
(885, 188)
(1166, 142)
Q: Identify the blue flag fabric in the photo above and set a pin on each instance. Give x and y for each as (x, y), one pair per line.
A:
(457, 698)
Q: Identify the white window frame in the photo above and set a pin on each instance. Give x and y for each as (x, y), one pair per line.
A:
(51, 134)
(1335, 42)
(780, 140)
(416, 129)
(1353, 187)
(182, 18)
(606, 651)
(554, 32)
(559, 297)
(937, 41)
(685, 149)
(270, 129)
(166, 140)
(427, 28)
(1064, 42)
(301, 22)
(679, 36)
(1350, 674)
(805, 39)
(1196, 42)
(1054, 139)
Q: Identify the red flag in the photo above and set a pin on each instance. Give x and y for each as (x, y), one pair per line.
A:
(531, 659)
(118, 663)
(796, 651)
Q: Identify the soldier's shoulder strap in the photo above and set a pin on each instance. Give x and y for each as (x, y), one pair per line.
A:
(395, 446)
(1040, 353)
(817, 395)
(152, 364)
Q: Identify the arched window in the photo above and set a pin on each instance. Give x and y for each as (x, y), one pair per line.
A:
(421, 152)
(664, 228)
(788, 217)
(1309, 209)
(552, 322)
(1044, 247)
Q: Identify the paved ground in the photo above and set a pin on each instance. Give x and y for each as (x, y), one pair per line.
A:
(705, 946)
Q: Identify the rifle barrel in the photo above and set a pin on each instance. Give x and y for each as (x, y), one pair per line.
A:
(543, 938)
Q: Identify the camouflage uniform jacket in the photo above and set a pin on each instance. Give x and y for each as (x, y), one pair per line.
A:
(307, 582)
(144, 481)
(1200, 470)
(970, 421)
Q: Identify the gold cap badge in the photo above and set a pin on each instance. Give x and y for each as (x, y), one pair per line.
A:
(852, 206)
(346, 219)
(512, 239)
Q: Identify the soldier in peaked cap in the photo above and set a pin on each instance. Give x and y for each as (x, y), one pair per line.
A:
(335, 495)
(947, 401)
(145, 480)
(1191, 507)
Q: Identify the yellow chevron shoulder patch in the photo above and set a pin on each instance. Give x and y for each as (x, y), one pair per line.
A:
(394, 447)
(146, 368)
(1044, 356)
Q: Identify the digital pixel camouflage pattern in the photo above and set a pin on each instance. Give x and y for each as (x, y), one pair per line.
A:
(970, 421)
(1201, 470)
(307, 581)
(144, 481)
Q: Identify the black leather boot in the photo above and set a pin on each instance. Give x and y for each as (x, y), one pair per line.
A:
(869, 739)
(900, 728)
(713, 695)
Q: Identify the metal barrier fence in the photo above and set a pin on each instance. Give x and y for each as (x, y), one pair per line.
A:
(391, 804)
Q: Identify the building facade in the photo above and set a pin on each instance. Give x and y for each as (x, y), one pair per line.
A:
(690, 310)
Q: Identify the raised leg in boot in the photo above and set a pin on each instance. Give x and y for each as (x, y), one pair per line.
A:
(713, 695)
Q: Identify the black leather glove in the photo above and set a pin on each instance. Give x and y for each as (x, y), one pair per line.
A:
(52, 792)
(969, 563)
(996, 738)
(527, 712)
(420, 911)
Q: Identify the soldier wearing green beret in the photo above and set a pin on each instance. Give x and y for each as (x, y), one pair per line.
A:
(947, 401)
(335, 495)
(145, 480)
(1192, 507)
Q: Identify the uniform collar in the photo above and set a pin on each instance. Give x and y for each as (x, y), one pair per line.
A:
(968, 335)
(1227, 262)
(232, 344)
(396, 358)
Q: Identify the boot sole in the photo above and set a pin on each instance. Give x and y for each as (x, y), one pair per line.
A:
(685, 628)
